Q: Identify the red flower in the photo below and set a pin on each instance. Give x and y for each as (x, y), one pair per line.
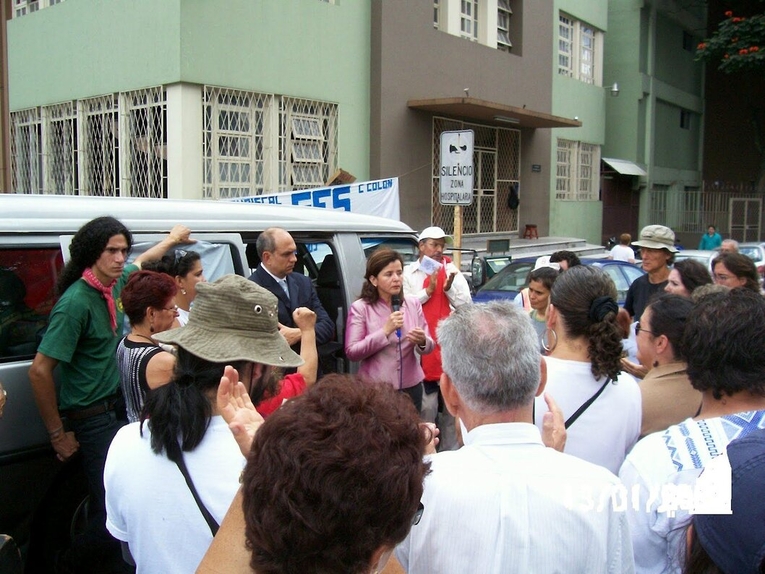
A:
(743, 52)
(701, 46)
(725, 57)
(736, 20)
(729, 13)
(754, 49)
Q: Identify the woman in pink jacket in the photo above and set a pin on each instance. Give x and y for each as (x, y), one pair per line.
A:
(386, 330)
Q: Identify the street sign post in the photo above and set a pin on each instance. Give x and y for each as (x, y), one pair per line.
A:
(456, 168)
(456, 178)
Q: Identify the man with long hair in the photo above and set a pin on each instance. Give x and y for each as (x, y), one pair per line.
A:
(81, 339)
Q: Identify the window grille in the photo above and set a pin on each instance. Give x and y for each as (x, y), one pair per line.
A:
(586, 54)
(578, 55)
(24, 7)
(575, 173)
(260, 143)
(496, 159)
(435, 13)
(469, 19)
(236, 154)
(26, 144)
(145, 135)
(503, 25)
(565, 46)
(100, 146)
(61, 149)
(307, 148)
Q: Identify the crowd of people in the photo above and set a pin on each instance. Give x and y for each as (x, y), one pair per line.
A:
(505, 437)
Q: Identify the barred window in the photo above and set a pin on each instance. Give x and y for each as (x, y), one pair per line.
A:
(26, 150)
(61, 149)
(261, 143)
(112, 145)
(578, 53)
(576, 174)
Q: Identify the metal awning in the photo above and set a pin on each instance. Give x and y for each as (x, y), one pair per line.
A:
(625, 167)
(492, 113)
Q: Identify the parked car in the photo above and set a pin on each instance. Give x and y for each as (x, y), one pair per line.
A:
(756, 252)
(703, 256)
(508, 283)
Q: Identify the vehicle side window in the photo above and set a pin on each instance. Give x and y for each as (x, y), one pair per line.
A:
(632, 273)
(616, 275)
(407, 248)
(27, 295)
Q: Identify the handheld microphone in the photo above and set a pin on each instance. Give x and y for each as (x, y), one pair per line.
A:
(395, 302)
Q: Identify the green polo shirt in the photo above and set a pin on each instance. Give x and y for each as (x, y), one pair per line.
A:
(80, 337)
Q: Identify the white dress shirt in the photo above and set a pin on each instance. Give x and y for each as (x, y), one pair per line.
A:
(504, 503)
(414, 279)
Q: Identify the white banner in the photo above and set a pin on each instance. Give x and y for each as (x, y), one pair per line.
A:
(379, 197)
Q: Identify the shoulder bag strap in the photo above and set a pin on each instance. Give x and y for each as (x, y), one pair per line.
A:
(211, 522)
(587, 404)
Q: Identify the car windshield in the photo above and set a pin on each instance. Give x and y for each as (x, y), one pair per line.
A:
(751, 251)
(511, 278)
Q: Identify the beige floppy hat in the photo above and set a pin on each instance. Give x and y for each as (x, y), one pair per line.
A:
(657, 237)
(233, 319)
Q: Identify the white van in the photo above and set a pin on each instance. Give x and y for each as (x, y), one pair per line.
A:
(38, 495)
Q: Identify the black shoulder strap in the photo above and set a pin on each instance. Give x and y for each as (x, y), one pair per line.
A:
(211, 522)
(587, 404)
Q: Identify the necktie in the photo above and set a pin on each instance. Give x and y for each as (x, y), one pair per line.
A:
(283, 284)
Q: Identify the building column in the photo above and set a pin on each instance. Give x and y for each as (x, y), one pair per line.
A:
(185, 163)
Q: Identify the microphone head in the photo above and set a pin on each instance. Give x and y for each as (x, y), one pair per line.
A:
(395, 302)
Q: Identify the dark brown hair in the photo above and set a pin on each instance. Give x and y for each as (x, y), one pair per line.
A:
(378, 261)
(692, 274)
(333, 475)
(573, 295)
(741, 266)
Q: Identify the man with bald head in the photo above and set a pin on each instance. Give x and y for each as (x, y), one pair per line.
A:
(278, 255)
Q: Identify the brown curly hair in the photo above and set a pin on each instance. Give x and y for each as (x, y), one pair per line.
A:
(333, 475)
(573, 294)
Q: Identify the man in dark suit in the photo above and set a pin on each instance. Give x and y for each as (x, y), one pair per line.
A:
(278, 255)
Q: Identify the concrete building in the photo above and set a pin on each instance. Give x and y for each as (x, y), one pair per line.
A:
(182, 98)
(657, 122)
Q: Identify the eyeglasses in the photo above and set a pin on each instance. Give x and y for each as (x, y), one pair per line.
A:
(638, 329)
(418, 515)
(174, 308)
(180, 254)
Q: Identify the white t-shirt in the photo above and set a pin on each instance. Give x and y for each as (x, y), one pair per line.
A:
(609, 428)
(622, 253)
(149, 505)
(658, 470)
(505, 504)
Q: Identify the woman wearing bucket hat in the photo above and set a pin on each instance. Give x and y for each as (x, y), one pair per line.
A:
(657, 251)
(171, 477)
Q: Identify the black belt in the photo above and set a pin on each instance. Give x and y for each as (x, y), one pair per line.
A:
(98, 408)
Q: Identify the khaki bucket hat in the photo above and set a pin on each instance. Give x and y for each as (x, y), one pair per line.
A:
(233, 319)
(657, 237)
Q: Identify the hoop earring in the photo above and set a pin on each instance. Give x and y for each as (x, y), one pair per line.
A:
(545, 340)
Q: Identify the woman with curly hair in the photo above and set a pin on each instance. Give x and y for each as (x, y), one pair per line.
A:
(584, 345)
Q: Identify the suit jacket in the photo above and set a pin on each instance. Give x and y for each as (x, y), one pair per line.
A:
(302, 294)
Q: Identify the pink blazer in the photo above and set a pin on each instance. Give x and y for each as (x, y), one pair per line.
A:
(365, 341)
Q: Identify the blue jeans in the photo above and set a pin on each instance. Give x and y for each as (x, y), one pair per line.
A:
(95, 434)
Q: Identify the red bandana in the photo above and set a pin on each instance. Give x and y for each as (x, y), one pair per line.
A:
(106, 291)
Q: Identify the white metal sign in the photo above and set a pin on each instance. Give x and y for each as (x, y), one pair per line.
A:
(456, 168)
